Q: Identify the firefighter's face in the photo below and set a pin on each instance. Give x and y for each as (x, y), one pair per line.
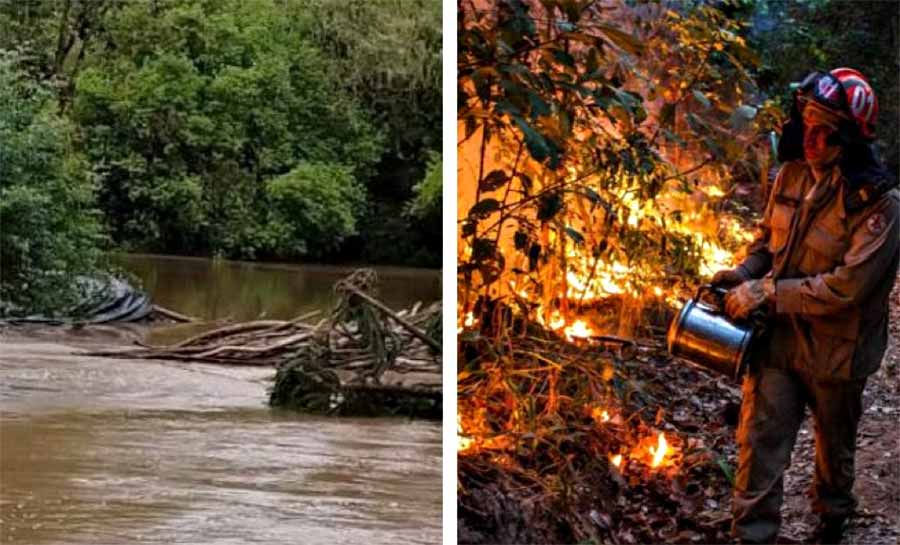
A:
(817, 128)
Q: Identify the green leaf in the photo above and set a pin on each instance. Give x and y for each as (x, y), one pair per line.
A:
(537, 145)
(534, 255)
(592, 195)
(504, 107)
(494, 180)
(563, 57)
(549, 206)
(565, 26)
(527, 184)
(667, 114)
(701, 98)
(576, 237)
(742, 116)
(726, 469)
(483, 249)
(484, 208)
(520, 239)
(538, 106)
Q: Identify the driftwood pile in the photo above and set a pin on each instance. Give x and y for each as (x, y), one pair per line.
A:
(363, 358)
(260, 342)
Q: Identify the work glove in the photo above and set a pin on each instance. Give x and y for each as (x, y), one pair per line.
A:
(749, 296)
(729, 278)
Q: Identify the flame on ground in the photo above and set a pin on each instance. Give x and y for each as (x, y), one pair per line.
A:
(462, 442)
(659, 452)
(616, 460)
(600, 415)
(578, 329)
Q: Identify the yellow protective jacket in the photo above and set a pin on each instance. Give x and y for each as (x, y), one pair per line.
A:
(834, 271)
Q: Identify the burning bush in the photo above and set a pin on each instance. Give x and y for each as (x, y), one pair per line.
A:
(597, 146)
(598, 141)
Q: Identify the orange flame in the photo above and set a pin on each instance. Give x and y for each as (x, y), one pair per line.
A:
(578, 329)
(600, 415)
(616, 460)
(556, 321)
(462, 442)
(660, 451)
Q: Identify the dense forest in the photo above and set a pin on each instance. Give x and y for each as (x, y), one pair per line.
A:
(292, 130)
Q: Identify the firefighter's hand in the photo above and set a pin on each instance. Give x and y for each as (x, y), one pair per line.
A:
(749, 296)
(728, 278)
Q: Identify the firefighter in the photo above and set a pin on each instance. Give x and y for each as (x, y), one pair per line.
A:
(821, 272)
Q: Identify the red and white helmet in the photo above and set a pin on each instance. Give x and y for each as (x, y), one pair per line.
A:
(846, 92)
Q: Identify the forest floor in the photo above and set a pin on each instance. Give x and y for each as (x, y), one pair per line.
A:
(497, 505)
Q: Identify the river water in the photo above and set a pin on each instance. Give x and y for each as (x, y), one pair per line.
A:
(120, 451)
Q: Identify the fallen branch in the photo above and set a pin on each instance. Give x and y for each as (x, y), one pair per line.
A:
(171, 314)
(418, 333)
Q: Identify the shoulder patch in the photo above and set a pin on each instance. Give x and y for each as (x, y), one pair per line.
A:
(876, 223)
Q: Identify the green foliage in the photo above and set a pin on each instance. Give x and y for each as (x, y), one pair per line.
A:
(427, 202)
(388, 54)
(186, 110)
(189, 107)
(49, 229)
(314, 207)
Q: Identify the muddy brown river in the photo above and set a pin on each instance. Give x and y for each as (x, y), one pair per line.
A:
(107, 451)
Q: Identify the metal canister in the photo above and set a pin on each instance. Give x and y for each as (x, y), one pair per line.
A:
(702, 334)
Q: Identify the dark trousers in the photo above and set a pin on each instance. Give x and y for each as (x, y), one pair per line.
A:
(774, 402)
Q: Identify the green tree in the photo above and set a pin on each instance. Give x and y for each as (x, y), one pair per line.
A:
(314, 207)
(428, 192)
(188, 107)
(49, 227)
(590, 155)
(388, 54)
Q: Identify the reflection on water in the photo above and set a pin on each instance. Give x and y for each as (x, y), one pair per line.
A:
(121, 451)
(218, 289)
